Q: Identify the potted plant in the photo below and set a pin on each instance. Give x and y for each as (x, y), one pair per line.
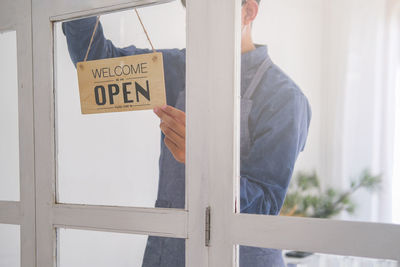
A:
(305, 198)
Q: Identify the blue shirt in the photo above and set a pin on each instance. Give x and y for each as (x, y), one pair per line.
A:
(278, 126)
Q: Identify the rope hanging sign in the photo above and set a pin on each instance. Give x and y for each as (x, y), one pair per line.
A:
(121, 84)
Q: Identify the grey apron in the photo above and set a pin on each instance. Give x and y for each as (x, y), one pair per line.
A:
(251, 256)
(170, 252)
(246, 104)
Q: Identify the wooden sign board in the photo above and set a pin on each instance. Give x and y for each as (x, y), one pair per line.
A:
(121, 84)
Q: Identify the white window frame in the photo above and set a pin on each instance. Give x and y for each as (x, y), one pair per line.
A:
(212, 157)
(15, 15)
(362, 239)
(49, 214)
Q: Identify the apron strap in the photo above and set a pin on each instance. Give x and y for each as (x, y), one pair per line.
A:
(257, 78)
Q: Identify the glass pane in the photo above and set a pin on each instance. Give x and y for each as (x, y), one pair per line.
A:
(81, 248)
(9, 246)
(318, 133)
(286, 258)
(114, 158)
(9, 141)
(396, 171)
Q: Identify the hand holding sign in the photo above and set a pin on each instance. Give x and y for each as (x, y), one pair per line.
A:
(173, 125)
(121, 84)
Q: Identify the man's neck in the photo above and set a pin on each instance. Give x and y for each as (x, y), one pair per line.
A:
(247, 43)
(248, 47)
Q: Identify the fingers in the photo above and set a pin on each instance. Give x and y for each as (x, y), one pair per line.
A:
(178, 153)
(174, 123)
(177, 114)
(173, 126)
(178, 140)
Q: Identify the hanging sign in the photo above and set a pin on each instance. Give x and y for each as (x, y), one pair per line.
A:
(121, 84)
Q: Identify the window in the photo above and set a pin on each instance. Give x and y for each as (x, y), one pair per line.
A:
(396, 160)
(112, 158)
(9, 142)
(51, 226)
(10, 246)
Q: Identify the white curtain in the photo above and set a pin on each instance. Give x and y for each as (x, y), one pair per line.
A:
(359, 100)
(395, 79)
(342, 54)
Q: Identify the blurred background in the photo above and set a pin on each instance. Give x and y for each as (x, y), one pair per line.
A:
(345, 57)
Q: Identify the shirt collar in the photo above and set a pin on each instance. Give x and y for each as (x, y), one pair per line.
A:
(250, 62)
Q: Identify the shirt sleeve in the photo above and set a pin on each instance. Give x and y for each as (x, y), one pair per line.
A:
(79, 32)
(279, 134)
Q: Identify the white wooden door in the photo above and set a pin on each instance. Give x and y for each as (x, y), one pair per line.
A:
(229, 228)
(51, 215)
(17, 206)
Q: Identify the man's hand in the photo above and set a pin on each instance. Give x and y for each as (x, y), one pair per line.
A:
(173, 125)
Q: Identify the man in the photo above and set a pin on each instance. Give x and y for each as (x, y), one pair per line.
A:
(275, 117)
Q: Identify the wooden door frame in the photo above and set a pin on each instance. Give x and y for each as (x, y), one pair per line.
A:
(15, 15)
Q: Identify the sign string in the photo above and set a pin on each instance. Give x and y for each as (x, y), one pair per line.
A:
(97, 24)
(145, 31)
(91, 39)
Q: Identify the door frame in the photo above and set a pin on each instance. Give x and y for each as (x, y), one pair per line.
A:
(15, 15)
(229, 229)
(51, 215)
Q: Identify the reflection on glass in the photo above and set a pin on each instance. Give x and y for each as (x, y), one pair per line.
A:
(114, 158)
(341, 165)
(81, 248)
(9, 246)
(9, 142)
(285, 258)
